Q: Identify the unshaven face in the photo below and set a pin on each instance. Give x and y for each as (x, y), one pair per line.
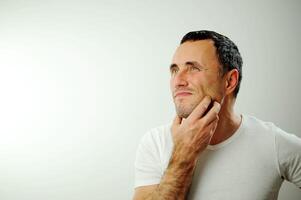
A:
(195, 73)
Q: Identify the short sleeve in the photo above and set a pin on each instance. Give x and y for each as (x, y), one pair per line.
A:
(288, 147)
(148, 169)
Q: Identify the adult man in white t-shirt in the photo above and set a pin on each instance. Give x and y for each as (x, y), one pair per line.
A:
(210, 152)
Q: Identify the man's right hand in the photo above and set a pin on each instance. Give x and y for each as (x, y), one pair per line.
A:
(192, 135)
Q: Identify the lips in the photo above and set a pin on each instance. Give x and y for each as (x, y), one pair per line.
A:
(182, 93)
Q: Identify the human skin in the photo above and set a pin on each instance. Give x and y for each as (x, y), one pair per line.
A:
(190, 138)
(195, 72)
(196, 80)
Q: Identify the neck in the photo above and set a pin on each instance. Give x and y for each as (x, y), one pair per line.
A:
(228, 122)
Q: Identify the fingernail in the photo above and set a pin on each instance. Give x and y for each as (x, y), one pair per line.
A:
(217, 105)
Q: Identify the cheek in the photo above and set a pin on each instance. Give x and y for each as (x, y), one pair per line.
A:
(213, 88)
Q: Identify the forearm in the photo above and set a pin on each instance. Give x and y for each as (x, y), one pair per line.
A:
(190, 138)
(177, 178)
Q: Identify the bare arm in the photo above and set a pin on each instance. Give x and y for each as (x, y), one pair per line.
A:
(190, 137)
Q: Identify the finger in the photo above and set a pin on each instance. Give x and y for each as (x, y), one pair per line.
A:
(212, 114)
(213, 126)
(177, 121)
(207, 135)
(210, 130)
(201, 108)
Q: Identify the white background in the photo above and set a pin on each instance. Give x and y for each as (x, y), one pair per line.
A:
(82, 81)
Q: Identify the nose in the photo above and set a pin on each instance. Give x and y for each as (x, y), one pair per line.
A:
(180, 79)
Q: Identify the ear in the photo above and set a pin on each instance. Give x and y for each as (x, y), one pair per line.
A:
(231, 81)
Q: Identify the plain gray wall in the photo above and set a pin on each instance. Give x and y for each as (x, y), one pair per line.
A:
(82, 81)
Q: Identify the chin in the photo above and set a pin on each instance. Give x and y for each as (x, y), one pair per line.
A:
(184, 109)
(183, 112)
(183, 115)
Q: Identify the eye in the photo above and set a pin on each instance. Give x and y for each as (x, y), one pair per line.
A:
(194, 68)
(174, 70)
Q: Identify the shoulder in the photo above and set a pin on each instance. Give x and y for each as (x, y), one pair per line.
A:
(259, 128)
(286, 148)
(268, 134)
(154, 146)
(284, 142)
(157, 135)
(257, 125)
(150, 156)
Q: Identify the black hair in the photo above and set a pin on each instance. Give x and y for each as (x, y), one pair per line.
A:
(227, 52)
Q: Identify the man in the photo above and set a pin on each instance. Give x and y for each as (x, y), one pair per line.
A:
(210, 152)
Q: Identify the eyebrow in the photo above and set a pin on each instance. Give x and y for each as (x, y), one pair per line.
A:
(193, 63)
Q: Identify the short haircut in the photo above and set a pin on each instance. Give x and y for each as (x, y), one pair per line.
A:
(227, 52)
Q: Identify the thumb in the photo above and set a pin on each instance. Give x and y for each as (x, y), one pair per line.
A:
(177, 121)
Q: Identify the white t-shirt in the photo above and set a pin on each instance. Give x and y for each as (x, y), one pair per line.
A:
(251, 164)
